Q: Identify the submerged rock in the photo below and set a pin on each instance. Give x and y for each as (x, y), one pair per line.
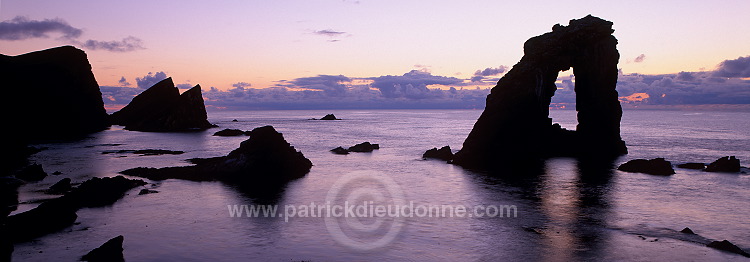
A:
(687, 230)
(729, 164)
(329, 117)
(727, 246)
(696, 166)
(515, 123)
(60, 187)
(363, 147)
(656, 166)
(109, 251)
(51, 88)
(145, 152)
(231, 132)
(162, 108)
(340, 151)
(147, 191)
(264, 158)
(444, 153)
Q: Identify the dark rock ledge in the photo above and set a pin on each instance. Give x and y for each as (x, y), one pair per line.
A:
(265, 158)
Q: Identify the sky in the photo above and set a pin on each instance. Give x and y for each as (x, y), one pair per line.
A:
(347, 53)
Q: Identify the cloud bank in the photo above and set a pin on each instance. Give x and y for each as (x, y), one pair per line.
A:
(22, 28)
(727, 84)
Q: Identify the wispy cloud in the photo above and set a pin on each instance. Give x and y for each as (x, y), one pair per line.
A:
(482, 74)
(640, 58)
(329, 33)
(127, 44)
(22, 28)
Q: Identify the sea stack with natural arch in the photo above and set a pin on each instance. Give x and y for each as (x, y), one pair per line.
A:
(515, 124)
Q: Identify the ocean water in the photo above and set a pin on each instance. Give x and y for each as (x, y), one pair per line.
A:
(564, 210)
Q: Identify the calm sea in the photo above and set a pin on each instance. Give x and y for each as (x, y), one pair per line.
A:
(566, 212)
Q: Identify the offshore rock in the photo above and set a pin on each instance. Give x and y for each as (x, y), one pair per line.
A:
(515, 123)
(444, 153)
(265, 158)
(109, 251)
(729, 164)
(340, 151)
(231, 132)
(329, 117)
(656, 166)
(51, 88)
(363, 147)
(161, 108)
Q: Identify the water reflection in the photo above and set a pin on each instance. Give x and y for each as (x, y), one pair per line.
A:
(564, 205)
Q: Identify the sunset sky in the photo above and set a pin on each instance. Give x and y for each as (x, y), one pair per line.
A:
(262, 44)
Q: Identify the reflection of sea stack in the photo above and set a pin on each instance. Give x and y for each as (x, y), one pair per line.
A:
(54, 95)
(515, 122)
(162, 108)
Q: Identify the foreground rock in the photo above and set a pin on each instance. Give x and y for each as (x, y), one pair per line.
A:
(264, 158)
(109, 251)
(50, 88)
(363, 147)
(60, 187)
(727, 246)
(444, 153)
(656, 166)
(515, 123)
(232, 132)
(161, 108)
(59, 213)
(33, 172)
(729, 164)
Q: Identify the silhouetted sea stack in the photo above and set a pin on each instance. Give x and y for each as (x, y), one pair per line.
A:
(515, 122)
(265, 158)
(54, 95)
(161, 108)
(656, 166)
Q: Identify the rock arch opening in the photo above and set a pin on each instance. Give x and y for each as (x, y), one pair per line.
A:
(516, 121)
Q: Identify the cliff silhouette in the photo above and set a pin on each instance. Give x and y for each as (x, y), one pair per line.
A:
(52, 95)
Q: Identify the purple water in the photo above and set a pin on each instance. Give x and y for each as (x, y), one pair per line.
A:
(565, 214)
